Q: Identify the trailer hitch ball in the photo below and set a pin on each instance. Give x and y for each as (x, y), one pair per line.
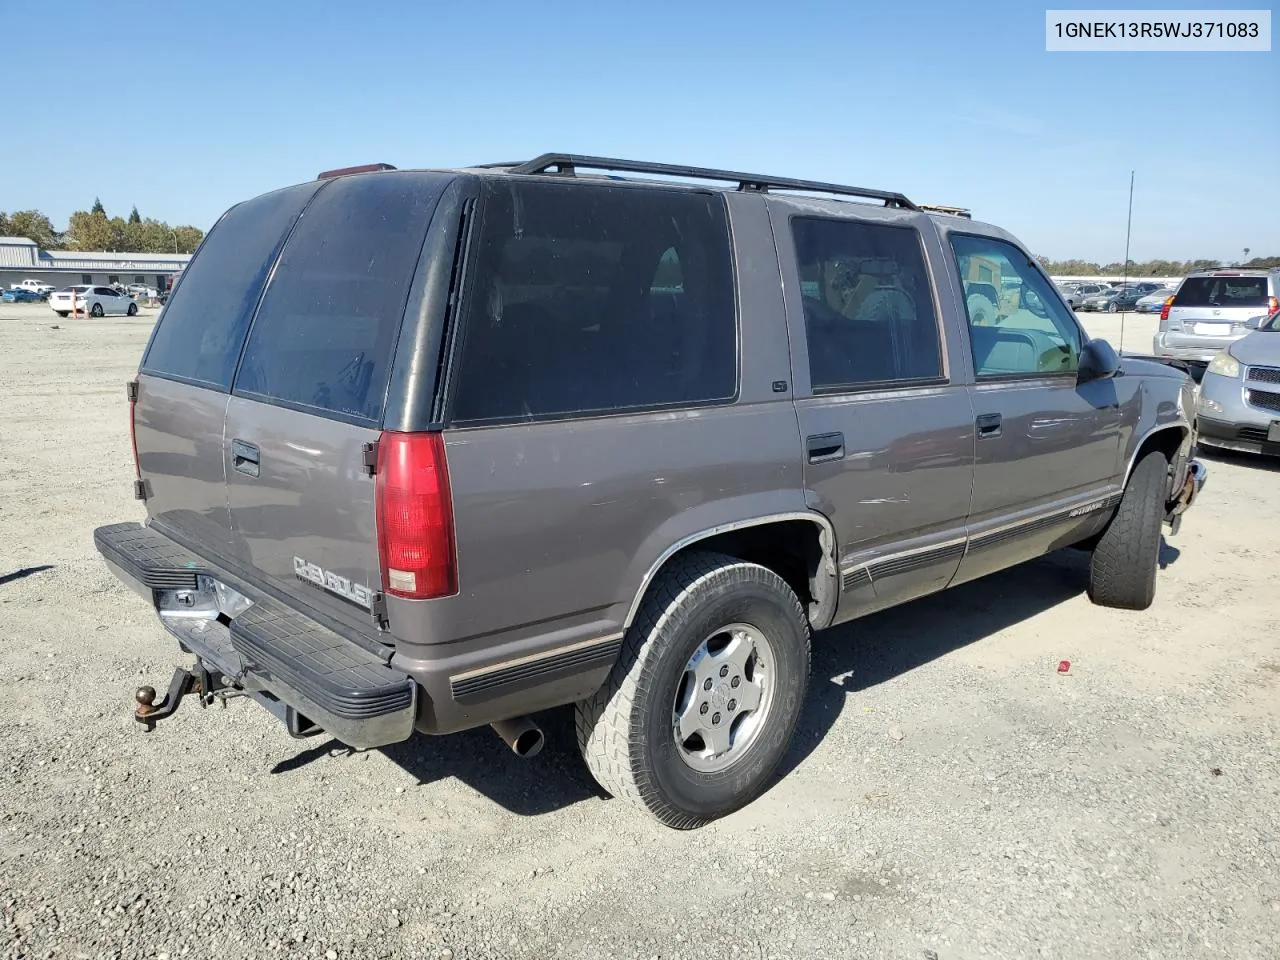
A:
(146, 697)
(148, 712)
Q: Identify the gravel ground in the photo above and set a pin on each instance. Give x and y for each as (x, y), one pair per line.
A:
(950, 794)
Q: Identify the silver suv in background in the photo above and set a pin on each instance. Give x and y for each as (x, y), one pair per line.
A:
(1212, 310)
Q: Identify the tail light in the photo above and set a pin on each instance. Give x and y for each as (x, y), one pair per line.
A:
(1164, 311)
(415, 516)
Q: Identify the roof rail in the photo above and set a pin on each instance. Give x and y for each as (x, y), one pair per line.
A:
(565, 164)
(362, 168)
(952, 211)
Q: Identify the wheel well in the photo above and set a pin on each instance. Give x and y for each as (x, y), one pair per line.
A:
(793, 549)
(1169, 442)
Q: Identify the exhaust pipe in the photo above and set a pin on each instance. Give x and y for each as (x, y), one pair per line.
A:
(522, 735)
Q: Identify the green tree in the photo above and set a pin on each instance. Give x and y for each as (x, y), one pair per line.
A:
(98, 207)
(188, 238)
(89, 231)
(5, 229)
(33, 225)
(1263, 263)
(133, 215)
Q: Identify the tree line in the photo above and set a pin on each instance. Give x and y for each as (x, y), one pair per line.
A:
(92, 229)
(1149, 268)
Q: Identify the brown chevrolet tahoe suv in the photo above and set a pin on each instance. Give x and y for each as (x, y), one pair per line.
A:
(427, 450)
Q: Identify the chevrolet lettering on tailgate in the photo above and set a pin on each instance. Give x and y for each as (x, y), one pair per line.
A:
(314, 573)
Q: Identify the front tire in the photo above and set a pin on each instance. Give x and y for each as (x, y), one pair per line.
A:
(1122, 571)
(702, 704)
(96, 310)
(133, 310)
(1112, 308)
(63, 313)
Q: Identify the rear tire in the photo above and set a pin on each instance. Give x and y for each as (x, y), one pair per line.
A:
(96, 310)
(133, 310)
(1122, 571)
(630, 731)
(1112, 308)
(63, 313)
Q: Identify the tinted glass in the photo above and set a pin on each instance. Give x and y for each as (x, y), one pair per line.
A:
(1019, 331)
(202, 327)
(592, 298)
(1222, 292)
(868, 308)
(325, 334)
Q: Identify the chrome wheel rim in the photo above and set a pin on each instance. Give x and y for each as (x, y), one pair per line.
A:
(724, 697)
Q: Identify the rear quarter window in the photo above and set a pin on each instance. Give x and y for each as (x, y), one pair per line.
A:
(1222, 292)
(202, 328)
(589, 299)
(325, 334)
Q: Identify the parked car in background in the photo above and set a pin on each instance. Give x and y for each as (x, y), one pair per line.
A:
(21, 295)
(621, 445)
(1213, 309)
(35, 286)
(1153, 301)
(1238, 405)
(96, 301)
(1082, 292)
(1096, 302)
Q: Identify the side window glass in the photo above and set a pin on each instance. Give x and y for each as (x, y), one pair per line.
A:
(1017, 326)
(587, 299)
(868, 307)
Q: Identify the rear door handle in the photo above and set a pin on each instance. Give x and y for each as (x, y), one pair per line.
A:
(988, 425)
(824, 447)
(246, 458)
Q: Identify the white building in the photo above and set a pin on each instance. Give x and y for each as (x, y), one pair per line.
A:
(21, 259)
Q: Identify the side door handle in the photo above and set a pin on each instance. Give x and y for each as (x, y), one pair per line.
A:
(988, 426)
(246, 458)
(824, 447)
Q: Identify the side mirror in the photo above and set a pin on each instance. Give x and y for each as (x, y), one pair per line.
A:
(1098, 361)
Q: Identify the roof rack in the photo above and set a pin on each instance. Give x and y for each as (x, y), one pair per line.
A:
(951, 211)
(565, 164)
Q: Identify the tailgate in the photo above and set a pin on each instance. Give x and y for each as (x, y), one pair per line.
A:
(311, 389)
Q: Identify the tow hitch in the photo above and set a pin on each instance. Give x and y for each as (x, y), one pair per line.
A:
(201, 682)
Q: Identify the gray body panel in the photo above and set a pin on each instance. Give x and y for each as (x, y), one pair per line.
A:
(178, 429)
(561, 525)
(311, 499)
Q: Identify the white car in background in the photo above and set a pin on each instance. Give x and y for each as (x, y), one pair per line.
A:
(93, 300)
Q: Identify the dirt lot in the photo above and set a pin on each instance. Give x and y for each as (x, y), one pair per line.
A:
(950, 794)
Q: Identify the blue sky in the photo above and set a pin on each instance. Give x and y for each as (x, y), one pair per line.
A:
(207, 104)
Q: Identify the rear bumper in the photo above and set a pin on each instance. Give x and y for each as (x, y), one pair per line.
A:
(362, 692)
(1184, 346)
(298, 669)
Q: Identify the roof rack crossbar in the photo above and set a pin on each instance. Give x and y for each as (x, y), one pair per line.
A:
(565, 164)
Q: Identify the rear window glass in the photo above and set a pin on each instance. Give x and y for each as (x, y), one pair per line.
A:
(325, 334)
(589, 299)
(202, 327)
(1222, 292)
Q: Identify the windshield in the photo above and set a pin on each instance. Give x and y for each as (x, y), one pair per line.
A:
(1222, 292)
